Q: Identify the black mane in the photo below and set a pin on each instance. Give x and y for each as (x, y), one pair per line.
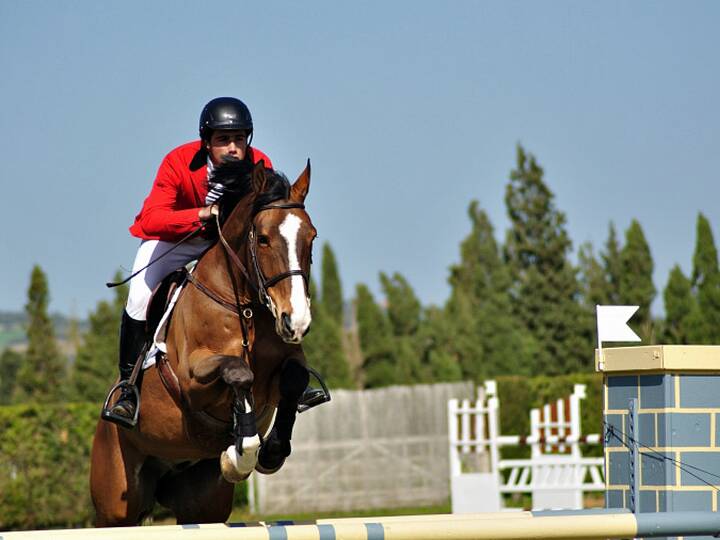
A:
(277, 188)
(235, 176)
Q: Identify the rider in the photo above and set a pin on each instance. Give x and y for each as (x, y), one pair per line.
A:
(181, 199)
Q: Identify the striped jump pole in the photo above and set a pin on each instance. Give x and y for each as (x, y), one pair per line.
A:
(568, 524)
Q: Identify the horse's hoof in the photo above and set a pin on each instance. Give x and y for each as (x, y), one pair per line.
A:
(272, 455)
(236, 468)
(229, 472)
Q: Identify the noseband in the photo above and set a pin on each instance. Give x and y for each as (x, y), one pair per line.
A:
(263, 284)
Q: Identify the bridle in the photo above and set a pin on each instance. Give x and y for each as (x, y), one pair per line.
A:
(263, 283)
(260, 284)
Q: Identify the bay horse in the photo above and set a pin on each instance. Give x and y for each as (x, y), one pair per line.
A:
(233, 360)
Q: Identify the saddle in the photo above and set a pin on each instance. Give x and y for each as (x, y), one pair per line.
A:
(160, 301)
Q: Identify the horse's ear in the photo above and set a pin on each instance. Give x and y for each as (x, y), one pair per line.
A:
(258, 177)
(299, 189)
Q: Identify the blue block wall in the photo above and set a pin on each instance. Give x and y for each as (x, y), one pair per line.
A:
(679, 421)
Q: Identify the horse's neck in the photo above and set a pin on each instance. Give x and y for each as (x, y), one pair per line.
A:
(217, 271)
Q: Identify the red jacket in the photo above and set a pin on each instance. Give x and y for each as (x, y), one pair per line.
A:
(171, 209)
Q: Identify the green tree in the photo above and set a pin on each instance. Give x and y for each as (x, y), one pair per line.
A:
(437, 339)
(636, 285)
(403, 307)
(95, 367)
(593, 280)
(332, 296)
(613, 267)
(680, 307)
(706, 285)
(486, 339)
(544, 287)
(594, 287)
(42, 373)
(404, 312)
(376, 340)
(323, 348)
(10, 362)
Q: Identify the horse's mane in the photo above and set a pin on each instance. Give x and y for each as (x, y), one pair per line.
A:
(235, 177)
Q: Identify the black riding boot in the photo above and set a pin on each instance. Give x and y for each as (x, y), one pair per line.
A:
(311, 396)
(132, 341)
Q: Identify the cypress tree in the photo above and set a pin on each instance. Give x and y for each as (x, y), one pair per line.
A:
(404, 312)
(594, 288)
(636, 285)
(706, 285)
(332, 297)
(376, 341)
(680, 307)
(42, 373)
(593, 280)
(436, 334)
(486, 338)
(403, 307)
(544, 290)
(323, 345)
(95, 367)
(613, 267)
(10, 362)
(324, 349)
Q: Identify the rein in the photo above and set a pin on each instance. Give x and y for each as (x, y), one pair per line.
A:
(184, 239)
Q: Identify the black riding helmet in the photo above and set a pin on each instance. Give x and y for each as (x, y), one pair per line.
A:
(224, 113)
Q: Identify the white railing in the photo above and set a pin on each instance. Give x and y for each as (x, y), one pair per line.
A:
(556, 473)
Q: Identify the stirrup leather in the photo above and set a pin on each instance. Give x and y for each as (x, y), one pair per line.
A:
(312, 397)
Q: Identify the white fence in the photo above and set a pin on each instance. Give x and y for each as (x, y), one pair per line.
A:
(366, 449)
(556, 473)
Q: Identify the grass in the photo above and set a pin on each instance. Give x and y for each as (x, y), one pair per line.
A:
(242, 514)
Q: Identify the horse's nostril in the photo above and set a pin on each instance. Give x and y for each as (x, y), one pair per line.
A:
(286, 323)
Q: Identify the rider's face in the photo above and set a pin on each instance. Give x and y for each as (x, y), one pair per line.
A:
(230, 143)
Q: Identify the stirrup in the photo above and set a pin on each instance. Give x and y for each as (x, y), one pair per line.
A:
(312, 397)
(118, 419)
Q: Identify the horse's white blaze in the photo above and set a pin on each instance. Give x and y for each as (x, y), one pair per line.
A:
(300, 316)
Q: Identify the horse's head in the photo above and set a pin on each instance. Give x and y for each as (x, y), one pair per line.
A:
(263, 211)
(280, 242)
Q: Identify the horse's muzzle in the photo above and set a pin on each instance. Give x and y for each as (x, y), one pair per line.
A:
(289, 332)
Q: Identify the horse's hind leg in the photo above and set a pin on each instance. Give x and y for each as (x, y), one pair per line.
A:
(198, 494)
(115, 486)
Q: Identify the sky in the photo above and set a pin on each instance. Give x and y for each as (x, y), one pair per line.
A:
(408, 110)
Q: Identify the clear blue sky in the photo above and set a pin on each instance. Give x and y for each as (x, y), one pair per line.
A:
(408, 111)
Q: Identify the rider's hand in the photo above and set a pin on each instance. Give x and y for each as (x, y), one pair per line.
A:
(207, 212)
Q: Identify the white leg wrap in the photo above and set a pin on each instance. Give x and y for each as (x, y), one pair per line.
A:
(236, 468)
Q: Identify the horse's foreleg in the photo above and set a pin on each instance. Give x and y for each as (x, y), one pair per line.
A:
(294, 379)
(238, 461)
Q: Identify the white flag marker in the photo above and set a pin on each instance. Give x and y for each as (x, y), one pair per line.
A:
(612, 323)
(612, 326)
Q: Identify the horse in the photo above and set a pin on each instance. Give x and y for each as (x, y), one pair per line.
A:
(233, 361)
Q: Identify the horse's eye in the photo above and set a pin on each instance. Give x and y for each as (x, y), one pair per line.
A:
(263, 240)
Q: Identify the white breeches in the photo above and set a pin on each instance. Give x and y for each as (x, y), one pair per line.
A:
(142, 285)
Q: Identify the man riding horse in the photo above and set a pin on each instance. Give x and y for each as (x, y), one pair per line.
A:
(182, 199)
